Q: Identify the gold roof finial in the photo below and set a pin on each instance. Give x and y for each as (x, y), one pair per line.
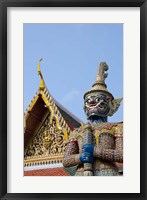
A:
(42, 85)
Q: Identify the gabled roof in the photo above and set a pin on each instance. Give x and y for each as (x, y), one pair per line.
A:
(69, 117)
(41, 104)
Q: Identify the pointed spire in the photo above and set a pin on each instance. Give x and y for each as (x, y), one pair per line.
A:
(99, 85)
(101, 75)
(42, 84)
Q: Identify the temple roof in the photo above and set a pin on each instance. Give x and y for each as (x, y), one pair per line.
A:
(45, 109)
(69, 117)
(40, 106)
(60, 171)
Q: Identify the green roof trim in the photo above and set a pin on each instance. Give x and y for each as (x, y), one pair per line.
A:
(71, 170)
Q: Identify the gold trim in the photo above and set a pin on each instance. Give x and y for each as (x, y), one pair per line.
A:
(66, 138)
(42, 84)
(33, 103)
(53, 115)
(43, 160)
(96, 137)
(48, 105)
(57, 122)
(97, 133)
(88, 128)
(30, 107)
(82, 124)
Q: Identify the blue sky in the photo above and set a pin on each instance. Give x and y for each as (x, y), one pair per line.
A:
(71, 54)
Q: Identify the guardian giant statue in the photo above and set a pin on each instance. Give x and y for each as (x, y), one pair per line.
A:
(96, 147)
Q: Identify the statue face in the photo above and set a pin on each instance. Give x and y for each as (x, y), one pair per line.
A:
(96, 105)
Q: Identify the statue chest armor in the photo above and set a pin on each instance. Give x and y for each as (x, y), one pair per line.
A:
(102, 136)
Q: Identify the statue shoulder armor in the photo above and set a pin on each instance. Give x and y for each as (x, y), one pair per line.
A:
(115, 129)
(72, 136)
(108, 127)
(105, 126)
(77, 132)
(119, 130)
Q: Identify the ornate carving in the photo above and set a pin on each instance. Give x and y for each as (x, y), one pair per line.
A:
(48, 141)
(114, 105)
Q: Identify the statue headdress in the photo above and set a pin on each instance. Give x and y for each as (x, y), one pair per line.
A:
(100, 87)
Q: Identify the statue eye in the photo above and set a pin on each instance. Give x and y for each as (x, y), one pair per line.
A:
(88, 101)
(97, 100)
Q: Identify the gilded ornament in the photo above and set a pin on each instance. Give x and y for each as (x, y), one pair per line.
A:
(42, 84)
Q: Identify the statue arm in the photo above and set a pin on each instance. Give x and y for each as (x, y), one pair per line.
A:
(114, 155)
(71, 155)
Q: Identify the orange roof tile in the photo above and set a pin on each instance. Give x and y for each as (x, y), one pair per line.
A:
(60, 171)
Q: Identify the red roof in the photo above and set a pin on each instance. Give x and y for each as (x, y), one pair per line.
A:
(47, 172)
